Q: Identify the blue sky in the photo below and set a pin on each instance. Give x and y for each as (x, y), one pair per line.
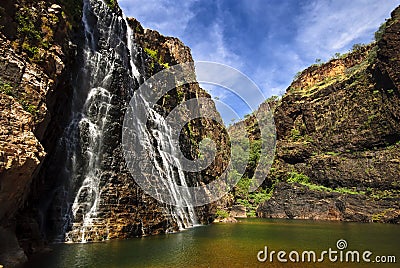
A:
(269, 41)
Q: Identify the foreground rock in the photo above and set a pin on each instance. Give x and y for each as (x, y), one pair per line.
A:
(34, 50)
(296, 201)
(226, 220)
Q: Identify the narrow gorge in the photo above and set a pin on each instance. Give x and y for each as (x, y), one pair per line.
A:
(69, 71)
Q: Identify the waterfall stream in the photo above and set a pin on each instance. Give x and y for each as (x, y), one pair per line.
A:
(109, 44)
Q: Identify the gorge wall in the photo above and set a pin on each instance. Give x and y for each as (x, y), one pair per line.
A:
(338, 138)
(68, 72)
(35, 54)
(338, 141)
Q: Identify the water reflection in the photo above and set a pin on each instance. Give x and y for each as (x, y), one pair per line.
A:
(228, 245)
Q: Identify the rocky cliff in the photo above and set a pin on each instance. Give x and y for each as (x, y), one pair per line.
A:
(51, 62)
(35, 53)
(338, 138)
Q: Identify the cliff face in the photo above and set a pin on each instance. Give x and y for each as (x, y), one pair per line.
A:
(47, 79)
(338, 136)
(34, 55)
(170, 51)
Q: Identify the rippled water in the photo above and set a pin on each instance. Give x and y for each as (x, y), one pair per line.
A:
(230, 245)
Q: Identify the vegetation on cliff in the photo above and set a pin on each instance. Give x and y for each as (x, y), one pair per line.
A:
(338, 146)
(35, 54)
(337, 135)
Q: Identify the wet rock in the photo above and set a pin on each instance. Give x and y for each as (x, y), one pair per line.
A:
(238, 211)
(10, 252)
(226, 220)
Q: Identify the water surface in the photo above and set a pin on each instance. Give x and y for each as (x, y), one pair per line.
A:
(231, 245)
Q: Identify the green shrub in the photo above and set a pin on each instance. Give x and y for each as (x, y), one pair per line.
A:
(6, 88)
(272, 98)
(337, 56)
(357, 47)
(252, 200)
(297, 177)
(242, 187)
(32, 51)
(222, 214)
(154, 55)
(180, 93)
(297, 75)
(73, 13)
(262, 196)
(111, 3)
(332, 153)
(29, 33)
(30, 108)
(380, 31)
(26, 25)
(295, 134)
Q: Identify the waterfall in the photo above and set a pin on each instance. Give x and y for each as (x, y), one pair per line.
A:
(109, 45)
(169, 168)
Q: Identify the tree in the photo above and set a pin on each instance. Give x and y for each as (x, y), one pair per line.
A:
(357, 47)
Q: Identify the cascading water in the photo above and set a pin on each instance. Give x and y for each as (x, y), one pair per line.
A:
(109, 46)
(168, 168)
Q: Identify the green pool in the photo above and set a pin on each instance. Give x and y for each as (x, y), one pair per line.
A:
(237, 245)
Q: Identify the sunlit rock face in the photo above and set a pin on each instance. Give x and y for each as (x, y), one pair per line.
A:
(66, 81)
(95, 197)
(338, 138)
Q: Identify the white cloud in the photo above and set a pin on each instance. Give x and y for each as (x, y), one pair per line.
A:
(169, 17)
(326, 27)
(321, 28)
(274, 76)
(212, 47)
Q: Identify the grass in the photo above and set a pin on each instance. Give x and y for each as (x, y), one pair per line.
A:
(333, 153)
(297, 177)
(347, 191)
(302, 179)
